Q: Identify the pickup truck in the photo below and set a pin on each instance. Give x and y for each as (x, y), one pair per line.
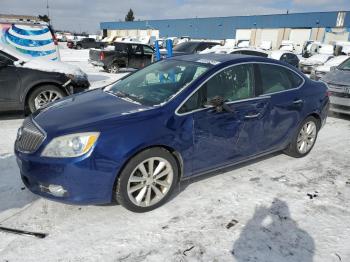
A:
(85, 43)
(122, 55)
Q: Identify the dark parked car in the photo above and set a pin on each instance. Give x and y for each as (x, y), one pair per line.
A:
(177, 118)
(85, 43)
(190, 47)
(338, 80)
(122, 55)
(29, 85)
(284, 56)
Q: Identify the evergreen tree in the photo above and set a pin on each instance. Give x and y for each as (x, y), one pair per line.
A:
(130, 16)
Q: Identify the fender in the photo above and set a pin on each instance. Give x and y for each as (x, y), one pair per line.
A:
(40, 82)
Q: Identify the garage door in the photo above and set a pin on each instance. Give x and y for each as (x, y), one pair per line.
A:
(299, 36)
(336, 34)
(269, 35)
(243, 34)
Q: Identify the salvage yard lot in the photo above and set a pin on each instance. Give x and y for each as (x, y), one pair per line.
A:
(276, 208)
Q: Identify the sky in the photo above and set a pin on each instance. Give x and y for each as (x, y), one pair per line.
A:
(86, 15)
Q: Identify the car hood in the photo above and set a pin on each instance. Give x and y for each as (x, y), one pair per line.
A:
(337, 77)
(85, 110)
(52, 66)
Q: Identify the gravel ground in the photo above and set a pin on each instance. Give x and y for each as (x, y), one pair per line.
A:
(275, 208)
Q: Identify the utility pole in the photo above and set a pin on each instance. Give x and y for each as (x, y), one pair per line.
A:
(48, 10)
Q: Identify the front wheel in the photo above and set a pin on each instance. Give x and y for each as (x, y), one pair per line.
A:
(44, 95)
(305, 138)
(147, 181)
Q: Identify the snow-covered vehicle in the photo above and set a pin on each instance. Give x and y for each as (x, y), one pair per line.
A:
(29, 84)
(287, 45)
(338, 81)
(320, 71)
(309, 64)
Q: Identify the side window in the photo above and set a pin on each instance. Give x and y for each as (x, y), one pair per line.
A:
(277, 78)
(147, 50)
(234, 83)
(119, 47)
(136, 49)
(202, 47)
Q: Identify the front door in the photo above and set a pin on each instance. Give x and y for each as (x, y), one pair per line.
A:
(136, 56)
(283, 115)
(225, 137)
(9, 82)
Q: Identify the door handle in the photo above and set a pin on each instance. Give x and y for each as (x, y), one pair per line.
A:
(298, 102)
(252, 116)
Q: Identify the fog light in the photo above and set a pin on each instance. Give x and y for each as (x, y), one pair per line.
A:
(54, 190)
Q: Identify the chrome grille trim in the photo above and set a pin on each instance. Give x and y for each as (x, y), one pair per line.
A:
(30, 136)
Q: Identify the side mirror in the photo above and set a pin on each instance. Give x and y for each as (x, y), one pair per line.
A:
(219, 103)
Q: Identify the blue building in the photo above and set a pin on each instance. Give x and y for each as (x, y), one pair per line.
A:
(322, 26)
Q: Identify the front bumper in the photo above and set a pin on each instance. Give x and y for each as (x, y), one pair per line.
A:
(340, 99)
(96, 63)
(83, 180)
(76, 86)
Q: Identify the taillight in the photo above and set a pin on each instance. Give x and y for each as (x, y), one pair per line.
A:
(102, 56)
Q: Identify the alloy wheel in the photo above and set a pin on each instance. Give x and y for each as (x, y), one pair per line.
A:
(306, 137)
(150, 181)
(46, 97)
(114, 69)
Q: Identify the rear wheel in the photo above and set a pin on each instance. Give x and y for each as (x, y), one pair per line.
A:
(113, 68)
(305, 138)
(147, 181)
(43, 95)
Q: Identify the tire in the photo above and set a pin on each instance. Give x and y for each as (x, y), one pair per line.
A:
(144, 193)
(41, 96)
(79, 47)
(114, 68)
(299, 147)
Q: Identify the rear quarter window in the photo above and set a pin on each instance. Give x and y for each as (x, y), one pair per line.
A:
(276, 78)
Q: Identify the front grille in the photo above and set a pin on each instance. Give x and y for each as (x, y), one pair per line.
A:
(29, 137)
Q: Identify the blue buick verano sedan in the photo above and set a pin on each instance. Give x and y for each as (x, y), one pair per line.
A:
(135, 140)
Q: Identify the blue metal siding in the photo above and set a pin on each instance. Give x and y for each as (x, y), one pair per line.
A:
(225, 27)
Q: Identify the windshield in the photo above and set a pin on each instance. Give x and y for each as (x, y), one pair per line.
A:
(158, 82)
(187, 47)
(345, 65)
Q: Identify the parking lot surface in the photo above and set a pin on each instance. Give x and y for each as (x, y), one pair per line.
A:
(275, 208)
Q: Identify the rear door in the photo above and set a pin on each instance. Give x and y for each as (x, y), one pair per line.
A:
(147, 55)
(282, 86)
(135, 56)
(225, 137)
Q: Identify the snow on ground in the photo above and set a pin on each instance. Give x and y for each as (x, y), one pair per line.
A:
(96, 75)
(273, 209)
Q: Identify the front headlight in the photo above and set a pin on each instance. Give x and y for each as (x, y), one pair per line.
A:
(73, 145)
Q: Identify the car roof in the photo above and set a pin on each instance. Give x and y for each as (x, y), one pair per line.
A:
(216, 59)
